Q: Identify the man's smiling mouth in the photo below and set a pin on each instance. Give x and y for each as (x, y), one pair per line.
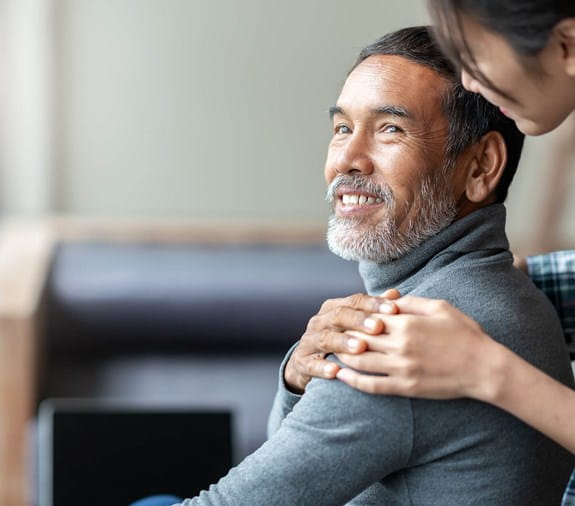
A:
(348, 199)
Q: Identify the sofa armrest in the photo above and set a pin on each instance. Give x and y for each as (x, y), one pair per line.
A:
(25, 251)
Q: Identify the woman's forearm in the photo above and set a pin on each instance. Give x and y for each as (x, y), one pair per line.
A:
(531, 395)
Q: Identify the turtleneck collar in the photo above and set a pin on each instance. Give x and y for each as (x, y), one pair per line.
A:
(482, 233)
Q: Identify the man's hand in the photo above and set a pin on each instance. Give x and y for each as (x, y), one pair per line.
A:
(326, 333)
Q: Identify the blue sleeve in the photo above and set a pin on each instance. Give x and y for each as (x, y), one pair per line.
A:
(335, 443)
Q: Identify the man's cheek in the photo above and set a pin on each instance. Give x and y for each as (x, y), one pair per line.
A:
(328, 171)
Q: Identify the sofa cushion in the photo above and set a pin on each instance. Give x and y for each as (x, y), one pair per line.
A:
(246, 297)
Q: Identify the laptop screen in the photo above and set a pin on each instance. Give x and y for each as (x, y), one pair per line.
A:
(95, 453)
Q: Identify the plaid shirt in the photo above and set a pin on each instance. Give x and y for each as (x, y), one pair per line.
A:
(569, 495)
(554, 273)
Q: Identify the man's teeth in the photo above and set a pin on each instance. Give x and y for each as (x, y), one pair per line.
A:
(359, 199)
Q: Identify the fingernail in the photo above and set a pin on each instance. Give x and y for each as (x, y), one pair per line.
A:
(329, 369)
(387, 307)
(353, 344)
(370, 323)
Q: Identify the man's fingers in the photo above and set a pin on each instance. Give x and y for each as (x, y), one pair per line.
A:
(331, 341)
(345, 318)
(363, 302)
(320, 368)
(359, 301)
(331, 331)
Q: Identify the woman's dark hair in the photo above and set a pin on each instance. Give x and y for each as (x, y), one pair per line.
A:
(469, 115)
(525, 24)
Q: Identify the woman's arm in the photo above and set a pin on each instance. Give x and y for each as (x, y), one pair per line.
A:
(535, 398)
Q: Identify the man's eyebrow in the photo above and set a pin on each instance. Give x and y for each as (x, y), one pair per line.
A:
(392, 110)
(335, 109)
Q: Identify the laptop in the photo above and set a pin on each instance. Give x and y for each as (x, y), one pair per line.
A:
(106, 453)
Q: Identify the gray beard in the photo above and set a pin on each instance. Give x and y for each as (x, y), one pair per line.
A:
(357, 239)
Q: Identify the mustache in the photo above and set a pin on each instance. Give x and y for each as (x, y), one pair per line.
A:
(359, 183)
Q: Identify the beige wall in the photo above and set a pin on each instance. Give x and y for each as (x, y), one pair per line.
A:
(200, 109)
(539, 187)
(192, 109)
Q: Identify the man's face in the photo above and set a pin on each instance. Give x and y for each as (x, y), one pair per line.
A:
(386, 169)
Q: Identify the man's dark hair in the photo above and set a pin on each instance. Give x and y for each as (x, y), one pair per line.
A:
(469, 115)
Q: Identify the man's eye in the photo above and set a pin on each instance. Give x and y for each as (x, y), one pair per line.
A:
(342, 129)
(391, 129)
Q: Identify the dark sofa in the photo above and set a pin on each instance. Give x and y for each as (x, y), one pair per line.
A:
(180, 316)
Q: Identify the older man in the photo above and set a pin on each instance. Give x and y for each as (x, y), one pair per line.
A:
(417, 169)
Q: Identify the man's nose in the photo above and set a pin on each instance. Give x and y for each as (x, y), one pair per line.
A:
(354, 157)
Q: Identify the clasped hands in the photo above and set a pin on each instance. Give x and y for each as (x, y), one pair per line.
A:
(410, 346)
(342, 326)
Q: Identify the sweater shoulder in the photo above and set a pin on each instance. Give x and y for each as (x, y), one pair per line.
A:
(506, 304)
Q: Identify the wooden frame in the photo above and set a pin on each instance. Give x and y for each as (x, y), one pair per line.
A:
(25, 250)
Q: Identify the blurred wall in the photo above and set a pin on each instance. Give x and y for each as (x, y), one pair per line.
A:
(26, 106)
(202, 109)
(190, 109)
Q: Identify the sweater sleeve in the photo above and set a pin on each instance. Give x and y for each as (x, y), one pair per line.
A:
(335, 442)
(284, 400)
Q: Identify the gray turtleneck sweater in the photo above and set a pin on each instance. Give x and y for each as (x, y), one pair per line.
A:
(335, 445)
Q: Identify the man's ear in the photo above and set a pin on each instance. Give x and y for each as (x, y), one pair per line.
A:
(565, 31)
(486, 167)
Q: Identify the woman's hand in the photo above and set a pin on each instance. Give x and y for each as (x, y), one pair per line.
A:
(430, 349)
(326, 333)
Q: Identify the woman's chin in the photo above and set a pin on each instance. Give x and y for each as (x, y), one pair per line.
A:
(539, 126)
(533, 128)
